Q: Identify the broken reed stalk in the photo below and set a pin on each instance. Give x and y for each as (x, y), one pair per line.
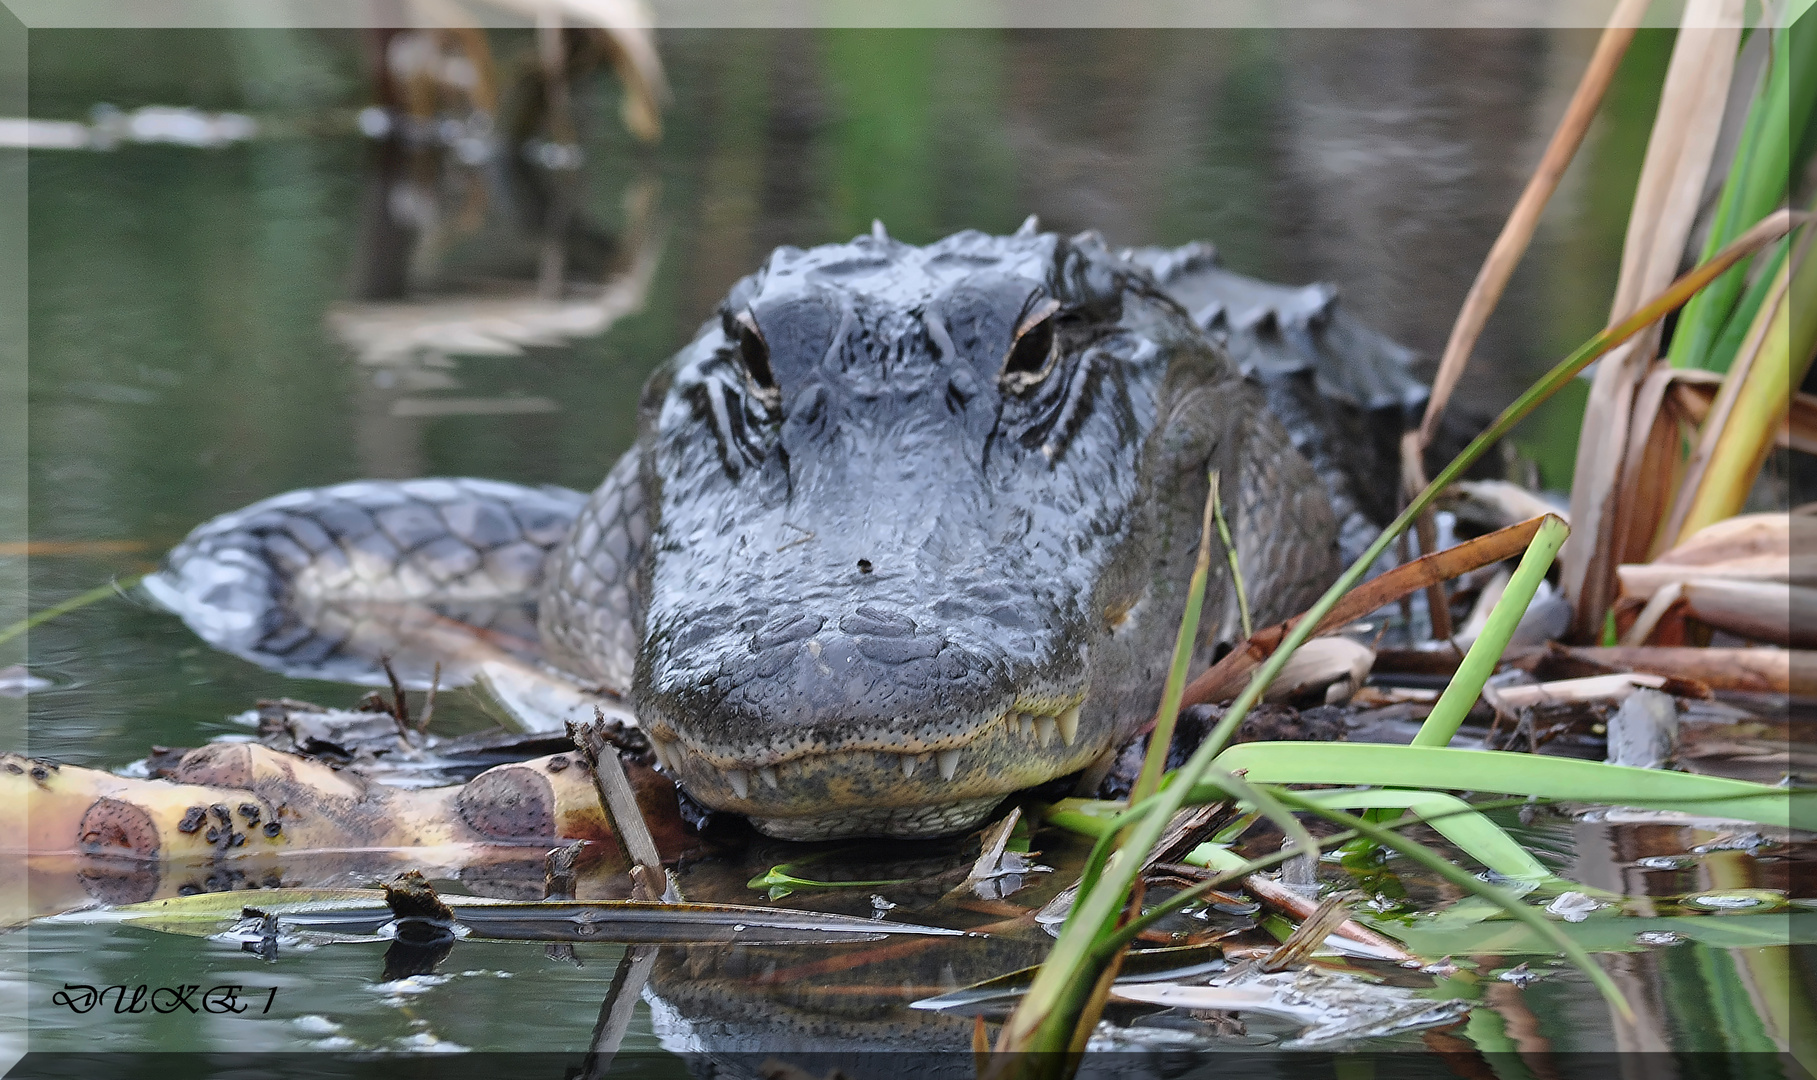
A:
(1041, 1020)
(1738, 442)
(1666, 199)
(1312, 932)
(1486, 651)
(1155, 763)
(1271, 893)
(618, 1009)
(1224, 679)
(435, 683)
(1758, 669)
(1764, 325)
(400, 707)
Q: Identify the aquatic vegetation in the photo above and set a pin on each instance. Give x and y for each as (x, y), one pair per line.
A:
(1721, 470)
(1049, 1015)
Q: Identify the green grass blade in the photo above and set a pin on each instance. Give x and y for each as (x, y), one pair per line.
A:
(1735, 330)
(1454, 819)
(100, 592)
(1757, 182)
(1230, 556)
(1231, 866)
(1148, 781)
(1474, 885)
(1033, 1024)
(1510, 773)
(1486, 651)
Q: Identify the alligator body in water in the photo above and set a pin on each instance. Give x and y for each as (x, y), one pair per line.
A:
(904, 529)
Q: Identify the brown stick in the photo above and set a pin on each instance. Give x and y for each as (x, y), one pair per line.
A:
(1756, 670)
(1694, 395)
(400, 708)
(1281, 898)
(1499, 265)
(435, 682)
(620, 801)
(1312, 932)
(1438, 601)
(1227, 677)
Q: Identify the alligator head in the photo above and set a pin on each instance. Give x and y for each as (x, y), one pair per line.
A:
(905, 504)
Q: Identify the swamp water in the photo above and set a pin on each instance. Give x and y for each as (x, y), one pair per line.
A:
(212, 326)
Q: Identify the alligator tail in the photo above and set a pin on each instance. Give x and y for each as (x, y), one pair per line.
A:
(322, 583)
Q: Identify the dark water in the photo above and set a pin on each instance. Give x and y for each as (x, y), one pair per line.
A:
(196, 322)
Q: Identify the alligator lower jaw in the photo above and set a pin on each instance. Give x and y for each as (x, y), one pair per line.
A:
(898, 822)
(880, 792)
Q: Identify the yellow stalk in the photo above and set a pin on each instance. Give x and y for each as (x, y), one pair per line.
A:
(1761, 403)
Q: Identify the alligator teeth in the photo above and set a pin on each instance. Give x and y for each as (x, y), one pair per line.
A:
(908, 766)
(664, 751)
(949, 763)
(1069, 724)
(1044, 728)
(740, 781)
(769, 776)
(1028, 725)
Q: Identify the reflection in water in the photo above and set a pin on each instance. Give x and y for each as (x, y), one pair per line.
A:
(424, 198)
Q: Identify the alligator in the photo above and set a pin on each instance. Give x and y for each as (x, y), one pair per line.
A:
(904, 529)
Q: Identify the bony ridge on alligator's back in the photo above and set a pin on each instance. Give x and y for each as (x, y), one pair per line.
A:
(904, 529)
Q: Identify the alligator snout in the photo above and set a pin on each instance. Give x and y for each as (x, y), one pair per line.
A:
(924, 723)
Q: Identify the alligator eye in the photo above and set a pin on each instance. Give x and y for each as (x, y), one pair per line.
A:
(754, 352)
(1031, 354)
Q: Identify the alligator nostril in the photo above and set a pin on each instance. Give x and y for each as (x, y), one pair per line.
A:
(878, 621)
(864, 566)
(785, 630)
(895, 650)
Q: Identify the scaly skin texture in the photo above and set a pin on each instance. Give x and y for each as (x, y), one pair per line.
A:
(897, 568)
(904, 529)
